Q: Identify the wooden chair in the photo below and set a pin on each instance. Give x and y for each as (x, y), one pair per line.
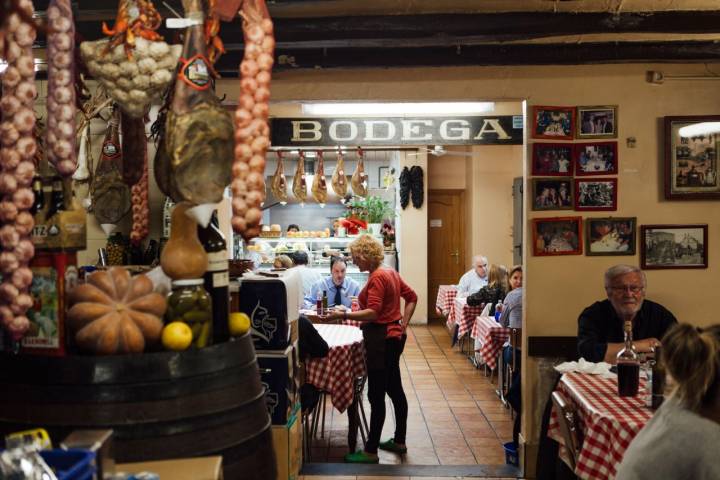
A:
(569, 428)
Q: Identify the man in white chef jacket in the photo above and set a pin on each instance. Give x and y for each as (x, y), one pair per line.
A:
(475, 278)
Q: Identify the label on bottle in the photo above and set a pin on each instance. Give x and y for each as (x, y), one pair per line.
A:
(217, 261)
(220, 279)
(649, 388)
(167, 217)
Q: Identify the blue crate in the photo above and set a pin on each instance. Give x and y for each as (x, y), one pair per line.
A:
(73, 464)
(511, 454)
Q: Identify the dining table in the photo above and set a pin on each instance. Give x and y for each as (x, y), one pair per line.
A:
(607, 421)
(491, 337)
(465, 315)
(444, 303)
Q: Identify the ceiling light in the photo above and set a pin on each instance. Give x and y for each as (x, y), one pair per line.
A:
(403, 108)
(697, 129)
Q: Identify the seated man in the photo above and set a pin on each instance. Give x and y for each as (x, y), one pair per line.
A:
(308, 276)
(338, 286)
(475, 278)
(600, 326)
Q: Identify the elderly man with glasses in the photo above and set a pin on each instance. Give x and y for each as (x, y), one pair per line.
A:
(600, 326)
(475, 278)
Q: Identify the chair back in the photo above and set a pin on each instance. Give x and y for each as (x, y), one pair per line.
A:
(569, 428)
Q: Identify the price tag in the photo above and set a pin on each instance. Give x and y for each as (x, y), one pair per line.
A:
(182, 22)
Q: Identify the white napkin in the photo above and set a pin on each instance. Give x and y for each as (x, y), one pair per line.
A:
(583, 366)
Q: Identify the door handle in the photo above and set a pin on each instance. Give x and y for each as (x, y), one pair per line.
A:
(456, 254)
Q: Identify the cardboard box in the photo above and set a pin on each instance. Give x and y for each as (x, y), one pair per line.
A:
(200, 468)
(278, 374)
(65, 230)
(287, 440)
(100, 442)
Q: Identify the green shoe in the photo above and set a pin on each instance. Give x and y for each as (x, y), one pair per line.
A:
(361, 457)
(391, 446)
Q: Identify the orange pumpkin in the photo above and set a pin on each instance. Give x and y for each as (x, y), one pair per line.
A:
(114, 313)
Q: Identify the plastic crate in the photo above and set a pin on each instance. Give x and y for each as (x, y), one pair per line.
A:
(511, 454)
(70, 464)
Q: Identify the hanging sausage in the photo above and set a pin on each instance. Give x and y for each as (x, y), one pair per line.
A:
(17, 149)
(299, 182)
(359, 177)
(252, 134)
(140, 205)
(339, 181)
(319, 186)
(134, 148)
(278, 185)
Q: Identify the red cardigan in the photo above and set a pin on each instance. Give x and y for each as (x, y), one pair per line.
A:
(382, 293)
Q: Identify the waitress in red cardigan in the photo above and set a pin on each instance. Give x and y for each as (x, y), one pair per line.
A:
(384, 325)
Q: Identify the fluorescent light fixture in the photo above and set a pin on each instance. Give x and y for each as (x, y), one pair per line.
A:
(402, 108)
(702, 128)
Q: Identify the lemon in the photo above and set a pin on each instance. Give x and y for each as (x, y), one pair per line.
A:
(239, 324)
(177, 336)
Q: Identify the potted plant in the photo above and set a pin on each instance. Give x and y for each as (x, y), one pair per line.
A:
(371, 209)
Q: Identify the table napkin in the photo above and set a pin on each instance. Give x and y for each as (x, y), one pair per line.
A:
(583, 366)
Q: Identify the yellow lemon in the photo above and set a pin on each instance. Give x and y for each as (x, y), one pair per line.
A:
(177, 336)
(239, 324)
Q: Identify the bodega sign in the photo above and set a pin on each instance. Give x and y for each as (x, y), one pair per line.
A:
(485, 130)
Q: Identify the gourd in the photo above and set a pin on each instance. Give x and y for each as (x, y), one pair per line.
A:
(183, 256)
(113, 313)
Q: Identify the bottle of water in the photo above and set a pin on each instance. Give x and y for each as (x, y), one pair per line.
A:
(498, 311)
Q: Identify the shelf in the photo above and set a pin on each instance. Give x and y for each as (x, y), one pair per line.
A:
(308, 239)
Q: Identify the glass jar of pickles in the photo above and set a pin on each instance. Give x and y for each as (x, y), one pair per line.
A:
(190, 303)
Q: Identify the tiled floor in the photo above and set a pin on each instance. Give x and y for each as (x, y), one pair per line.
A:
(323, 477)
(455, 417)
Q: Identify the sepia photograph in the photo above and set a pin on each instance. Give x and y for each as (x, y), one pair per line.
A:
(557, 236)
(556, 123)
(597, 122)
(610, 236)
(552, 194)
(691, 162)
(598, 158)
(674, 246)
(552, 159)
(596, 194)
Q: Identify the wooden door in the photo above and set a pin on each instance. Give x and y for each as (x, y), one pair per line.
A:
(446, 241)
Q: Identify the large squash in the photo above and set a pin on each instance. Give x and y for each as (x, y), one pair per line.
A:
(183, 256)
(114, 313)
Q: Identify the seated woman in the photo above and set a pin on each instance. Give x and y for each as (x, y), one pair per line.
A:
(512, 317)
(494, 291)
(681, 440)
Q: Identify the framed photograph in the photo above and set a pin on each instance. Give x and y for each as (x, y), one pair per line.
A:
(556, 123)
(383, 173)
(552, 194)
(596, 194)
(673, 246)
(552, 159)
(597, 121)
(557, 236)
(610, 236)
(691, 162)
(598, 158)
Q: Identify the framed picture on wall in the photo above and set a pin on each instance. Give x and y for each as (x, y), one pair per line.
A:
(555, 123)
(552, 159)
(597, 121)
(557, 236)
(610, 236)
(673, 246)
(593, 194)
(597, 158)
(552, 194)
(691, 159)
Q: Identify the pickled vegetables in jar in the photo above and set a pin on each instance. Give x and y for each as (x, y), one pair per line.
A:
(190, 303)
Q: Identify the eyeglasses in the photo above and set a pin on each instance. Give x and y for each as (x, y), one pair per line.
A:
(627, 288)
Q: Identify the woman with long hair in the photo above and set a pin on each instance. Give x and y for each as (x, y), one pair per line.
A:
(384, 324)
(681, 440)
(494, 291)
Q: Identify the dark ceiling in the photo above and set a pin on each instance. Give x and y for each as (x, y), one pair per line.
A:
(456, 39)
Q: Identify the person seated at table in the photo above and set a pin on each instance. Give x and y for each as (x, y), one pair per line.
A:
(338, 285)
(681, 440)
(282, 261)
(600, 326)
(475, 278)
(293, 228)
(494, 291)
(384, 325)
(310, 345)
(511, 317)
(308, 276)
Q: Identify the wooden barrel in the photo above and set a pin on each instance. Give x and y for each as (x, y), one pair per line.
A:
(160, 405)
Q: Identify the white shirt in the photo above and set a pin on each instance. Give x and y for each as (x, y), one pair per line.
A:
(470, 282)
(308, 277)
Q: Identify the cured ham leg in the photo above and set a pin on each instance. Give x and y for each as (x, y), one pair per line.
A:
(359, 177)
(319, 186)
(339, 180)
(279, 184)
(299, 182)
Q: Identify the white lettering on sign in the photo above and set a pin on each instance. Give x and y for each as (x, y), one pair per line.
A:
(449, 133)
(494, 127)
(334, 130)
(412, 127)
(299, 131)
(436, 223)
(370, 130)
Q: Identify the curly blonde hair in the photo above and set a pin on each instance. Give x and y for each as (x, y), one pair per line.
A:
(367, 248)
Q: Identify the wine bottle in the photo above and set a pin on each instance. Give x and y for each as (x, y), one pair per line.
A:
(57, 197)
(658, 384)
(37, 188)
(217, 278)
(628, 366)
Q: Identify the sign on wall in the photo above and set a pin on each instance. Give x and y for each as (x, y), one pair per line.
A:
(484, 130)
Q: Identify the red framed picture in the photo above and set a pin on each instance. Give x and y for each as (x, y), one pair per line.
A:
(553, 123)
(595, 158)
(557, 236)
(552, 159)
(596, 194)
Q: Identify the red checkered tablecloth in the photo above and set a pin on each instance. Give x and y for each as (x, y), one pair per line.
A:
(337, 372)
(444, 303)
(492, 336)
(465, 315)
(608, 422)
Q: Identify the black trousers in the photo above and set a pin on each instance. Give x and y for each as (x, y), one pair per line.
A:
(514, 395)
(380, 382)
